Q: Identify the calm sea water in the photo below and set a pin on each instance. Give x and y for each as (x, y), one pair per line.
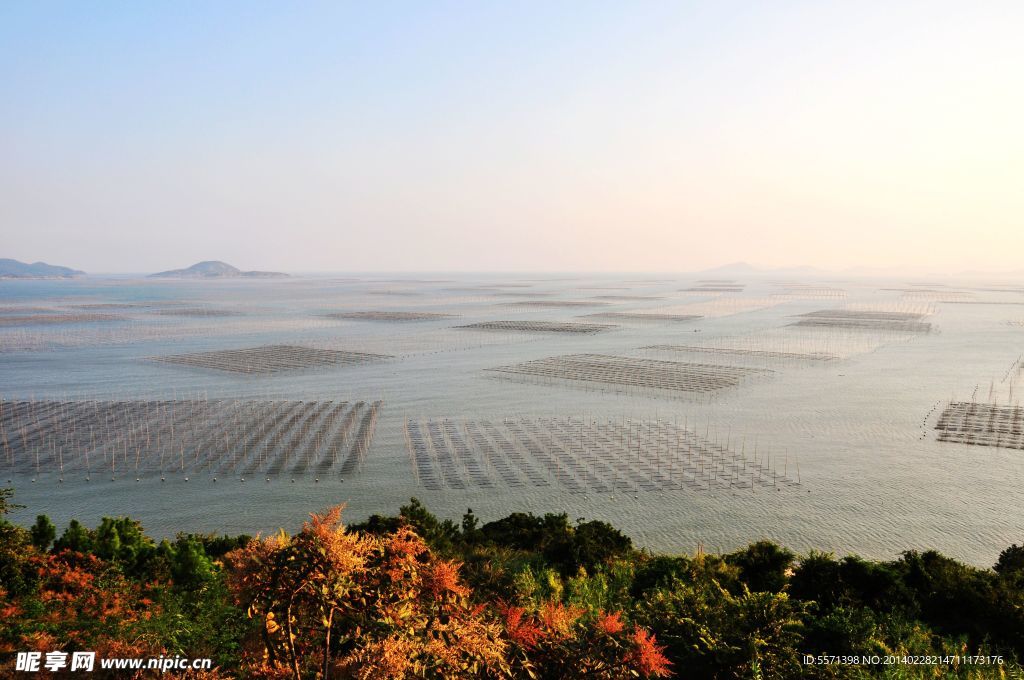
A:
(874, 480)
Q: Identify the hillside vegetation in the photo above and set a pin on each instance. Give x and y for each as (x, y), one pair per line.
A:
(523, 596)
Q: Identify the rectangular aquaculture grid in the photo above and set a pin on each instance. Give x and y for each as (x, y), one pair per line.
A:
(539, 326)
(148, 329)
(968, 422)
(229, 437)
(864, 315)
(117, 305)
(909, 322)
(603, 369)
(28, 309)
(642, 316)
(554, 304)
(761, 353)
(200, 312)
(49, 319)
(628, 298)
(389, 316)
(583, 456)
(269, 358)
(716, 288)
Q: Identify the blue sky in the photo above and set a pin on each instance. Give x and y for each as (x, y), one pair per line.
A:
(512, 136)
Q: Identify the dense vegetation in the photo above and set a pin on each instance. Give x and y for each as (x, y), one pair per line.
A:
(523, 596)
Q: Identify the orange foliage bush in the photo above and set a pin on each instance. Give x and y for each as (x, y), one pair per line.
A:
(563, 642)
(342, 604)
(339, 604)
(79, 602)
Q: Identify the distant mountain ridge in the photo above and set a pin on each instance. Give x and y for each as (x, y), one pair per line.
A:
(214, 269)
(13, 269)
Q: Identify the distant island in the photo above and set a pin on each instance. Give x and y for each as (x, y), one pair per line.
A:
(13, 269)
(214, 269)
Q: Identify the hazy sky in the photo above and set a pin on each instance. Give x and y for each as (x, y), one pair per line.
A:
(512, 136)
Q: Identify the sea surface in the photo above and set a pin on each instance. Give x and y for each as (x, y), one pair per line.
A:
(827, 441)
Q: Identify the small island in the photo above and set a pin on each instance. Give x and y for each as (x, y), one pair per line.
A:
(215, 269)
(13, 269)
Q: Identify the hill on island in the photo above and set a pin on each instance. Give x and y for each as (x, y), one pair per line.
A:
(214, 269)
(13, 269)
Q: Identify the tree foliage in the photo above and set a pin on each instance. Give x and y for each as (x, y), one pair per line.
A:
(381, 605)
(524, 596)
